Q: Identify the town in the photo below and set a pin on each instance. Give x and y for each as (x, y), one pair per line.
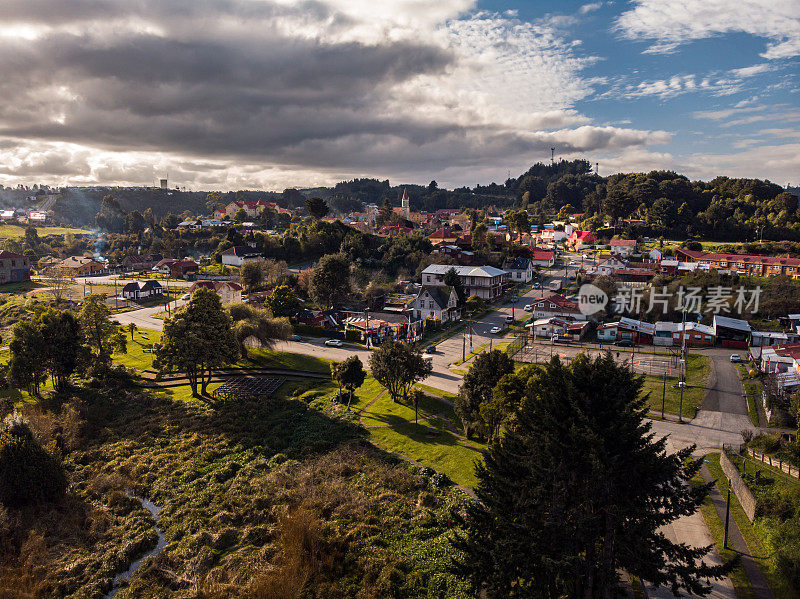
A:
(453, 300)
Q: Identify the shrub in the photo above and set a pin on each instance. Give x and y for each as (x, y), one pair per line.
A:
(440, 480)
(764, 443)
(28, 474)
(353, 335)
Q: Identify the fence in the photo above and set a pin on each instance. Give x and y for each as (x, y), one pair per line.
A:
(534, 353)
(789, 469)
(738, 486)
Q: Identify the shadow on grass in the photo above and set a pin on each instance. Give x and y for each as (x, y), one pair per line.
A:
(420, 432)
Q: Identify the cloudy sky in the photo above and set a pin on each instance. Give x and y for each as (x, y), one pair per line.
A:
(232, 94)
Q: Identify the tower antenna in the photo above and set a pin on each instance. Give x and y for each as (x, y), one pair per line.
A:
(552, 156)
(596, 168)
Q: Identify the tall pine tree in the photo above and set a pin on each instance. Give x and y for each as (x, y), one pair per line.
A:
(578, 490)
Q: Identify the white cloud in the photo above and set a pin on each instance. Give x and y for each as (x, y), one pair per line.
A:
(672, 24)
(591, 7)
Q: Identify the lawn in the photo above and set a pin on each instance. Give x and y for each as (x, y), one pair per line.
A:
(139, 357)
(430, 441)
(757, 535)
(16, 231)
(698, 369)
(752, 387)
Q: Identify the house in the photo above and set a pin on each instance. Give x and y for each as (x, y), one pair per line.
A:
(768, 338)
(252, 209)
(14, 267)
(607, 265)
(484, 281)
(552, 236)
(556, 305)
(696, 334)
(784, 362)
(520, 270)
(82, 266)
(239, 254)
(622, 247)
(548, 327)
(178, 268)
(141, 261)
(6, 214)
(762, 266)
(444, 235)
(436, 302)
(228, 291)
(136, 290)
(393, 231)
(462, 256)
(581, 239)
(190, 224)
(634, 275)
(542, 258)
(731, 332)
(637, 331)
(655, 254)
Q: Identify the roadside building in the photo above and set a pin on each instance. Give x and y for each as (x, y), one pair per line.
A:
(768, 338)
(178, 268)
(743, 264)
(137, 290)
(484, 281)
(542, 258)
(228, 291)
(520, 270)
(14, 267)
(622, 247)
(556, 305)
(141, 261)
(581, 239)
(239, 254)
(82, 266)
(731, 332)
(630, 329)
(548, 327)
(436, 302)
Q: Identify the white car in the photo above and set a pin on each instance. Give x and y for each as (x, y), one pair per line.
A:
(186, 297)
(528, 308)
(495, 330)
(333, 343)
(736, 358)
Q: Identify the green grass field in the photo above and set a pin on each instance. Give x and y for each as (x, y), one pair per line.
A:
(698, 369)
(17, 231)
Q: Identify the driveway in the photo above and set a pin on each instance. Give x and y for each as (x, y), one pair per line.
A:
(724, 407)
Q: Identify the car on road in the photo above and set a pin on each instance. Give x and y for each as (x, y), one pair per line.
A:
(431, 349)
(624, 343)
(736, 358)
(537, 285)
(186, 297)
(333, 343)
(509, 319)
(495, 330)
(528, 308)
(295, 338)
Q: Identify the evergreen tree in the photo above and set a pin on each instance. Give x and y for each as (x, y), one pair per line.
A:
(578, 490)
(478, 387)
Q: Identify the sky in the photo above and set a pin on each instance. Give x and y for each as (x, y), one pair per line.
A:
(269, 94)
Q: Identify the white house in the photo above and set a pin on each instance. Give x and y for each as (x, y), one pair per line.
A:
(228, 291)
(436, 302)
(137, 290)
(484, 281)
(608, 265)
(542, 258)
(556, 305)
(520, 270)
(655, 254)
(623, 247)
(239, 254)
(547, 327)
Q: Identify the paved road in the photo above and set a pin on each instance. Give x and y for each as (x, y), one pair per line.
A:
(724, 407)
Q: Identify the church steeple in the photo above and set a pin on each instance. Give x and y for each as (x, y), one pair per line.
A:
(405, 205)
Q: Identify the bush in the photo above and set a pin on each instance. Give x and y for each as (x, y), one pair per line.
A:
(788, 555)
(764, 443)
(440, 480)
(28, 474)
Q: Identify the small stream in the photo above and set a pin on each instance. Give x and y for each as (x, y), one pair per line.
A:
(162, 541)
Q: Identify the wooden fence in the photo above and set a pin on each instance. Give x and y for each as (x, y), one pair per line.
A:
(789, 469)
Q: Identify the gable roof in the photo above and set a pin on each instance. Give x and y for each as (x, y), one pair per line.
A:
(519, 263)
(559, 301)
(464, 271)
(622, 242)
(241, 251)
(437, 294)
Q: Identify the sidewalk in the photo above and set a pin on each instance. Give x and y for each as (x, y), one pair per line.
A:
(736, 541)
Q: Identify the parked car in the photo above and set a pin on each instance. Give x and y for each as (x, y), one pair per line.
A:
(560, 338)
(624, 343)
(537, 285)
(431, 349)
(736, 358)
(333, 343)
(528, 308)
(295, 338)
(495, 330)
(186, 297)
(509, 320)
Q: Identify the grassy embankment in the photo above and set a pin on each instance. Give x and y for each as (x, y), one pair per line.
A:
(698, 370)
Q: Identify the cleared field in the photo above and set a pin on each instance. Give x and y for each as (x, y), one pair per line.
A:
(17, 231)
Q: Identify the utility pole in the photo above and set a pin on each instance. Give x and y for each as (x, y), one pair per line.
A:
(664, 394)
(682, 384)
(464, 345)
(727, 515)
